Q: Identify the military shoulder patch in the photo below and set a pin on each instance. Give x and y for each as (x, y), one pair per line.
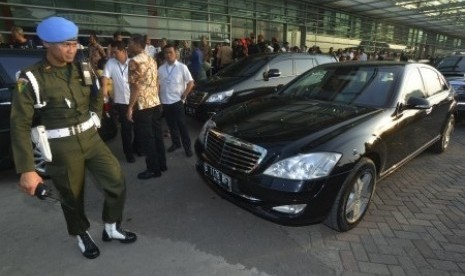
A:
(21, 84)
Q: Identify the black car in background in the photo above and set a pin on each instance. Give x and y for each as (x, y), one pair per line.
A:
(12, 61)
(453, 68)
(315, 151)
(248, 78)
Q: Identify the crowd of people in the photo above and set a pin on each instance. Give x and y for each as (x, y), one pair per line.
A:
(204, 59)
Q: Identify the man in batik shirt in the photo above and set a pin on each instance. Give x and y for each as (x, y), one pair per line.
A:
(144, 107)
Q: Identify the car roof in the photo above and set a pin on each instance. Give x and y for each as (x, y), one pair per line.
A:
(13, 60)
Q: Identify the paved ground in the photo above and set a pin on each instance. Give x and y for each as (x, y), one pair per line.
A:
(415, 226)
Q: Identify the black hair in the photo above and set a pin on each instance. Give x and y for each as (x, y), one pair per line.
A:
(115, 34)
(120, 45)
(139, 40)
(169, 45)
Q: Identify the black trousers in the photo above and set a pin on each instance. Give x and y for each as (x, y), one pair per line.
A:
(147, 123)
(127, 128)
(176, 120)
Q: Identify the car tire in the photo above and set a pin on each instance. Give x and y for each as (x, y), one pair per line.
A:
(39, 162)
(354, 197)
(443, 143)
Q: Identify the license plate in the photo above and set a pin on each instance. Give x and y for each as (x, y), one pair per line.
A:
(218, 177)
(190, 110)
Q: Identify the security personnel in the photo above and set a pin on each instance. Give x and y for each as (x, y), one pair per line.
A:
(58, 89)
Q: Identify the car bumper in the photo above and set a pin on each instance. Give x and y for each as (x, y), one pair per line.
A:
(260, 193)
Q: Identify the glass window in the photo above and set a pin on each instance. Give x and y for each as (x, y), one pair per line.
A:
(357, 85)
(413, 86)
(284, 66)
(302, 65)
(293, 35)
(270, 30)
(241, 27)
(245, 67)
(433, 83)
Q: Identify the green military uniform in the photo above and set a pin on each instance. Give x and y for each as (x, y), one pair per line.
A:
(68, 103)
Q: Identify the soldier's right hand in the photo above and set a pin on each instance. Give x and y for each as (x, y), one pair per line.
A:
(28, 182)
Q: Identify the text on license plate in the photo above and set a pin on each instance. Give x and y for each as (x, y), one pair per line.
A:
(217, 176)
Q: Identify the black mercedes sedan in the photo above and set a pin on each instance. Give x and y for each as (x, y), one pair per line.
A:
(315, 150)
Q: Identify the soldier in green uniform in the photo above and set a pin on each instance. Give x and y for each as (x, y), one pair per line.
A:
(56, 89)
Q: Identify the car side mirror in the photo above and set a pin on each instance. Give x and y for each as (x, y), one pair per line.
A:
(278, 88)
(272, 73)
(417, 103)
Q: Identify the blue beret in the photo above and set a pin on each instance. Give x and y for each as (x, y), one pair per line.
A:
(57, 29)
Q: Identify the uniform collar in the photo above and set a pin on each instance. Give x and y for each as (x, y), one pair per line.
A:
(47, 67)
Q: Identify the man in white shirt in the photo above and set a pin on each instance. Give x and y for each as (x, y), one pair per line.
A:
(363, 55)
(176, 83)
(149, 48)
(117, 69)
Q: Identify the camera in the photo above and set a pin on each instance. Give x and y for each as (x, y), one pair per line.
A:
(41, 191)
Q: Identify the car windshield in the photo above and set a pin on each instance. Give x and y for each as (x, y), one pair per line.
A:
(354, 85)
(452, 63)
(10, 65)
(459, 86)
(245, 67)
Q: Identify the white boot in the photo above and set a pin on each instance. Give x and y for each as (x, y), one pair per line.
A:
(113, 231)
(87, 246)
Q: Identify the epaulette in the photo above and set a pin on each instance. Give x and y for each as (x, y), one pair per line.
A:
(34, 83)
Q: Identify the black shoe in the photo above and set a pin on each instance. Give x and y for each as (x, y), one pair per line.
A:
(148, 174)
(173, 148)
(87, 246)
(130, 159)
(120, 235)
(189, 153)
(163, 168)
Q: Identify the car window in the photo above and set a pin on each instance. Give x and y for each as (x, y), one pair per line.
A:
(433, 83)
(284, 66)
(413, 86)
(303, 64)
(459, 86)
(358, 85)
(452, 64)
(245, 67)
(11, 64)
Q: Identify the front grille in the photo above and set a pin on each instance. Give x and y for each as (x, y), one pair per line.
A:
(196, 98)
(232, 152)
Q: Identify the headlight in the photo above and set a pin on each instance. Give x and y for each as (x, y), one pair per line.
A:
(220, 96)
(204, 131)
(305, 166)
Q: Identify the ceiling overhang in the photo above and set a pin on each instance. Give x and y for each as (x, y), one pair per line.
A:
(440, 16)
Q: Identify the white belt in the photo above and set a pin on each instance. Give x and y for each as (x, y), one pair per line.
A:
(68, 131)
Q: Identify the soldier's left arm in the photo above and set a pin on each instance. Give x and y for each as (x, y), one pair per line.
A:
(22, 112)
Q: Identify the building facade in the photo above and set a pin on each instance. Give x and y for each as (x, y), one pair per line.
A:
(301, 23)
